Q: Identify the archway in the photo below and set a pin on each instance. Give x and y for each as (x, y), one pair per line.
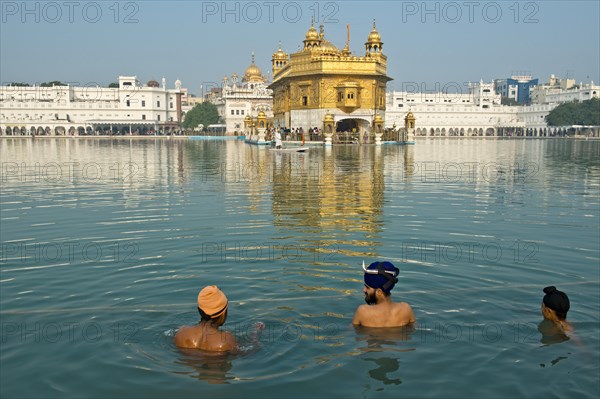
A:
(347, 125)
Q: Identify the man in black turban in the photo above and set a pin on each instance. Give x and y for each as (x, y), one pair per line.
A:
(555, 306)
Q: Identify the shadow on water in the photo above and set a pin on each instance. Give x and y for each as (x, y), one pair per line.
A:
(383, 347)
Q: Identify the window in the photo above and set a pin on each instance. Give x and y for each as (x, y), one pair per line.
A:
(128, 103)
(158, 117)
(237, 111)
(144, 117)
(304, 100)
(143, 103)
(232, 112)
(171, 105)
(242, 113)
(158, 103)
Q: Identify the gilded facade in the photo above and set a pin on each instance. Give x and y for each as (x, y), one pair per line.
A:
(322, 83)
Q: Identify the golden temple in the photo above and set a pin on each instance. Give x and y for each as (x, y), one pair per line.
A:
(334, 90)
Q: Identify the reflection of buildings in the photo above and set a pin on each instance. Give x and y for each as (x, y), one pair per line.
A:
(129, 166)
(130, 108)
(331, 198)
(248, 98)
(322, 80)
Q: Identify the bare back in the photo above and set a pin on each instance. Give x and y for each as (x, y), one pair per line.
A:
(205, 337)
(387, 314)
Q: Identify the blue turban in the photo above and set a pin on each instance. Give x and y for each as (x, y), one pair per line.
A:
(385, 278)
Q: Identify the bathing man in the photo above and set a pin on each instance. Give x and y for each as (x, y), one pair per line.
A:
(380, 310)
(212, 305)
(555, 306)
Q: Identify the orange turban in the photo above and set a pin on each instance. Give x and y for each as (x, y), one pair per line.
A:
(212, 301)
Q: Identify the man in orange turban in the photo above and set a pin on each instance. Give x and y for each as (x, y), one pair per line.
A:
(212, 305)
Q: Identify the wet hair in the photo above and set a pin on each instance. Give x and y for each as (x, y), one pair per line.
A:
(203, 316)
(208, 318)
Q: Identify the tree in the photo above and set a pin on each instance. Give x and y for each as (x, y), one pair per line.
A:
(113, 86)
(53, 83)
(576, 113)
(508, 101)
(18, 84)
(202, 114)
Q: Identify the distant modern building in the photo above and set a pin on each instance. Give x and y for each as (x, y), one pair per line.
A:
(131, 108)
(516, 87)
(236, 100)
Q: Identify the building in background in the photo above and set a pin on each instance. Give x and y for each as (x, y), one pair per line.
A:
(129, 109)
(559, 91)
(517, 87)
(235, 100)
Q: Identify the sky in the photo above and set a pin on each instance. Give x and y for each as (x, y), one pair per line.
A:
(431, 45)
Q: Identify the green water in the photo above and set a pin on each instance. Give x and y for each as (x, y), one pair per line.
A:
(105, 245)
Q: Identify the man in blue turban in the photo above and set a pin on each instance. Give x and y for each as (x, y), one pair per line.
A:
(380, 310)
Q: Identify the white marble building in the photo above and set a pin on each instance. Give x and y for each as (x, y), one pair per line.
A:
(246, 98)
(477, 112)
(132, 108)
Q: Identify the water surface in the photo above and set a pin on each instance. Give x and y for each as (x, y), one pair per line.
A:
(105, 245)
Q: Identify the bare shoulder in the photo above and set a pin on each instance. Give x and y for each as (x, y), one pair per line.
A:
(359, 315)
(228, 341)
(187, 337)
(405, 311)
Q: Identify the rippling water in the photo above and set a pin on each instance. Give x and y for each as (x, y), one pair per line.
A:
(105, 245)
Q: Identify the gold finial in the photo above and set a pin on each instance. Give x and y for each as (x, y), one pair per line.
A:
(348, 35)
(374, 24)
(253, 56)
(312, 22)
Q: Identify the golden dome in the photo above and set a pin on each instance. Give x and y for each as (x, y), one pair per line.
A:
(279, 54)
(262, 115)
(253, 73)
(152, 83)
(374, 36)
(409, 115)
(378, 119)
(328, 117)
(328, 47)
(312, 33)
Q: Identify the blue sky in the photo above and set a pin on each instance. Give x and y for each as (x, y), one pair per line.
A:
(431, 44)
